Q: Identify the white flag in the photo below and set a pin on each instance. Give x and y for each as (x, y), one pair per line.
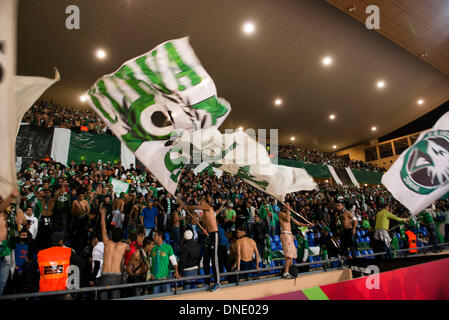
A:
(119, 186)
(152, 98)
(420, 175)
(17, 94)
(8, 22)
(241, 155)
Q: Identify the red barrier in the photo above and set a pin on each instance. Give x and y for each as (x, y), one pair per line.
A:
(427, 281)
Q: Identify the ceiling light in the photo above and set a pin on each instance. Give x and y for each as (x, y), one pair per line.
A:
(327, 61)
(101, 54)
(380, 84)
(423, 54)
(248, 27)
(278, 102)
(373, 128)
(334, 147)
(83, 98)
(240, 128)
(332, 116)
(420, 101)
(292, 138)
(353, 8)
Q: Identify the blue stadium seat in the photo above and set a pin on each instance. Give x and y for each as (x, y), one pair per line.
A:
(357, 253)
(167, 237)
(296, 243)
(274, 246)
(358, 234)
(367, 239)
(276, 239)
(364, 253)
(370, 251)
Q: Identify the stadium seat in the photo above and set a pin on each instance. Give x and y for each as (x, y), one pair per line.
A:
(358, 234)
(274, 246)
(370, 251)
(357, 253)
(276, 239)
(364, 253)
(296, 243)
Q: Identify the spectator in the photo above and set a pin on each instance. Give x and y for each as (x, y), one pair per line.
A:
(161, 255)
(97, 259)
(149, 218)
(114, 251)
(383, 218)
(190, 259)
(139, 265)
(246, 251)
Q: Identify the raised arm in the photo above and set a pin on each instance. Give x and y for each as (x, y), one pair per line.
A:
(7, 202)
(104, 233)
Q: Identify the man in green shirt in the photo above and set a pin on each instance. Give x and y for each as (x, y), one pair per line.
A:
(230, 216)
(427, 219)
(383, 225)
(266, 213)
(161, 255)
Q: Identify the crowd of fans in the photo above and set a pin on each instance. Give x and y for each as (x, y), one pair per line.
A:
(50, 114)
(326, 158)
(65, 205)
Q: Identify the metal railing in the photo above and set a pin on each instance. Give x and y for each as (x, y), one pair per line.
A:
(342, 264)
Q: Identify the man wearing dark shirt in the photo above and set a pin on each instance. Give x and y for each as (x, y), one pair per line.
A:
(258, 232)
(190, 259)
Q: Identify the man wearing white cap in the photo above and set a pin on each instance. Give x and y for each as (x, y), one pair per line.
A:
(190, 259)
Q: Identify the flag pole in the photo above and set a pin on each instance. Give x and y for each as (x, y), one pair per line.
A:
(298, 214)
(188, 211)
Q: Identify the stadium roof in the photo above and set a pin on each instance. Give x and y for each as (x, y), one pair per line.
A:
(281, 59)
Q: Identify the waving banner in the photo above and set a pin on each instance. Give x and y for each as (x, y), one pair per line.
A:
(149, 99)
(420, 175)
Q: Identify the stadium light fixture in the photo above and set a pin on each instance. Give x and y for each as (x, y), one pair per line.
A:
(278, 102)
(83, 98)
(332, 116)
(101, 54)
(380, 84)
(327, 61)
(249, 27)
(420, 101)
(373, 128)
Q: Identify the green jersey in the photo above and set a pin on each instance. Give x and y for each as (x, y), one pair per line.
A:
(160, 260)
(230, 214)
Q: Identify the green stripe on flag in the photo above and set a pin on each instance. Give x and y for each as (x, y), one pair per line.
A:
(91, 147)
(315, 293)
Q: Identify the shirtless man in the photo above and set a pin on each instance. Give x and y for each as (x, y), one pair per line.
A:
(118, 210)
(114, 251)
(139, 266)
(287, 239)
(209, 221)
(348, 224)
(45, 228)
(246, 249)
(81, 206)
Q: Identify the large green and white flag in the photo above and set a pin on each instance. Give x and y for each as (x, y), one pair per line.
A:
(17, 94)
(68, 146)
(119, 186)
(241, 155)
(151, 98)
(420, 175)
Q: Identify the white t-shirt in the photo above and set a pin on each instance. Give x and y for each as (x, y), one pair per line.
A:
(33, 225)
(97, 254)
